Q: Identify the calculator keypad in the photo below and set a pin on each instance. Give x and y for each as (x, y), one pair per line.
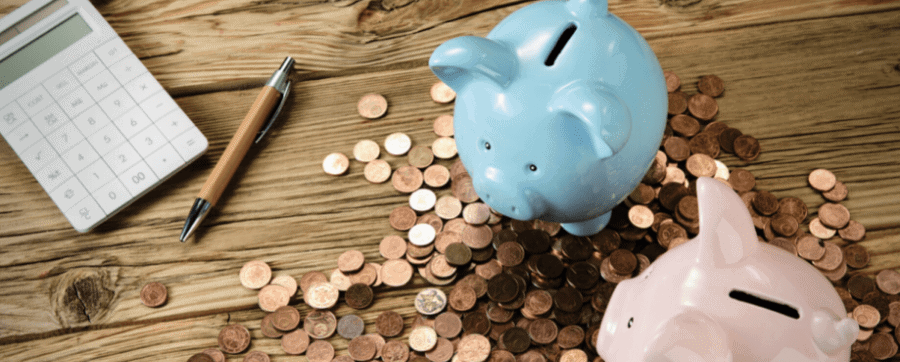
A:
(99, 133)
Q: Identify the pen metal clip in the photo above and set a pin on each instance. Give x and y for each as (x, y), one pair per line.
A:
(275, 113)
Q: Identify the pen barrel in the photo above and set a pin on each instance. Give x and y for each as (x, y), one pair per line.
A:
(240, 143)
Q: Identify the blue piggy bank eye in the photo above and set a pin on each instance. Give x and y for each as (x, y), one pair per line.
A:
(532, 168)
(487, 146)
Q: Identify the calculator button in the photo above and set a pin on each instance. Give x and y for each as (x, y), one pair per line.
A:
(143, 86)
(165, 161)
(158, 105)
(127, 69)
(174, 124)
(102, 85)
(96, 175)
(10, 117)
(61, 83)
(80, 156)
(132, 122)
(53, 175)
(190, 144)
(112, 196)
(35, 100)
(76, 102)
(138, 178)
(38, 156)
(106, 139)
(67, 194)
(117, 104)
(65, 137)
(122, 158)
(148, 140)
(50, 119)
(86, 67)
(23, 137)
(85, 214)
(112, 51)
(91, 121)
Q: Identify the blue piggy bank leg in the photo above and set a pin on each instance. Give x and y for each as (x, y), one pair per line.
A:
(588, 227)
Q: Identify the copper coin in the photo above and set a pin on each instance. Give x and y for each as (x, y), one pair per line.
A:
(832, 258)
(440, 267)
(255, 274)
(727, 137)
(673, 82)
(361, 348)
(537, 302)
(543, 331)
(442, 351)
(430, 301)
(715, 128)
(867, 316)
(458, 254)
(443, 125)
(422, 235)
(746, 147)
(396, 273)
(765, 203)
(701, 165)
(677, 103)
(436, 176)
(443, 239)
(295, 342)
(882, 346)
(643, 194)
(854, 231)
(784, 224)
(684, 125)
(476, 213)
(372, 106)
(402, 218)
(499, 355)
(420, 156)
(320, 324)
(462, 298)
(856, 255)
(448, 207)
(201, 357)
(457, 170)
(515, 340)
(784, 244)
(837, 194)
(888, 281)
(366, 150)
(448, 325)
(822, 180)
(422, 200)
(477, 236)
(859, 285)
(444, 148)
(154, 294)
(702, 106)
(272, 297)
(215, 354)
(407, 179)
(359, 296)
(894, 316)
(442, 93)
(742, 180)
(350, 326)
(377, 171)
(389, 324)
(320, 351)
(285, 318)
(570, 337)
(431, 219)
(394, 351)
(473, 348)
(711, 85)
(478, 284)
(463, 189)
(234, 339)
(623, 262)
(336, 164)
(256, 356)
(510, 254)
(311, 278)
(321, 295)
(794, 207)
(351, 261)
(706, 144)
(286, 281)
(833, 215)
(668, 232)
(392, 247)
(573, 355)
(810, 247)
(820, 231)
(677, 148)
(340, 280)
(422, 338)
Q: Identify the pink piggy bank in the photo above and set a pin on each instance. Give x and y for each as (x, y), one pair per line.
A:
(725, 296)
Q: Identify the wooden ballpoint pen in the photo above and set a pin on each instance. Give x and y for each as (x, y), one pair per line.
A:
(273, 94)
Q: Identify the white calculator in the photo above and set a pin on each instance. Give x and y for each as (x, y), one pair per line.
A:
(84, 115)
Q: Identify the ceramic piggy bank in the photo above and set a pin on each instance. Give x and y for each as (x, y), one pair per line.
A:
(559, 111)
(725, 296)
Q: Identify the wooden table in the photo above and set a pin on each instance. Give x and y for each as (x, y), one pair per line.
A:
(817, 82)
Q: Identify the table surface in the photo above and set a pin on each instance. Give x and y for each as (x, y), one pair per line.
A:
(816, 81)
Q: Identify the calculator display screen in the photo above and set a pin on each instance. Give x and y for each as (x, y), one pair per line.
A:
(41, 49)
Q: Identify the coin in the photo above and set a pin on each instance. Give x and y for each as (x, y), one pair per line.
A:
(340, 280)
(286, 318)
(677, 148)
(856, 256)
(832, 258)
(673, 82)
(234, 339)
(888, 281)
(392, 247)
(389, 324)
(473, 348)
(837, 194)
(430, 301)
(677, 103)
(746, 147)
(448, 207)
(320, 324)
(440, 268)
(867, 316)
(286, 281)
(351, 261)
(573, 355)
(882, 346)
(442, 351)
(702, 106)
(336, 164)
(397, 144)
(820, 231)
(515, 340)
(443, 125)
(476, 213)
(711, 85)
(320, 351)
(422, 200)
(822, 180)
(448, 325)
(834, 216)
(742, 180)
(422, 339)
(201, 357)
(372, 106)
(256, 356)
(255, 274)
(394, 351)
(154, 294)
(350, 326)
(444, 148)
(311, 278)
(510, 254)
(810, 247)
(854, 231)
(361, 348)
(431, 219)
(441, 93)
(366, 151)
(701, 165)
(407, 179)
(462, 298)
(640, 216)
(321, 295)
(359, 296)
(396, 273)
(477, 236)
(421, 234)
(420, 156)
(377, 171)
(272, 297)
(570, 337)
(295, 342)
(436, 176)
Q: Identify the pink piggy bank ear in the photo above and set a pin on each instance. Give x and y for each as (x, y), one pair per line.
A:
(726, 230)
(690, 336)
(604, 116)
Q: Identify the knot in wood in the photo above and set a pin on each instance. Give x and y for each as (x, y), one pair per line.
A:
(83, 296)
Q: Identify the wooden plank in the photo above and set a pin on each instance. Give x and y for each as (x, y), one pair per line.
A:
(782, 80)
(189, 44)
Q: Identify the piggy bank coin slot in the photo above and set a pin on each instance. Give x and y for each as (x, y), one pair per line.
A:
(560, 44)
(774, 306)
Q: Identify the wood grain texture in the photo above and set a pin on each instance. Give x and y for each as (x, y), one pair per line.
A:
(816, 82)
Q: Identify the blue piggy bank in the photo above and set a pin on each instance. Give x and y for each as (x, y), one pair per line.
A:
(559, 111)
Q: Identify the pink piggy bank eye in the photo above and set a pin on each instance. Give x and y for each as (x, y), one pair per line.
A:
(630, 322)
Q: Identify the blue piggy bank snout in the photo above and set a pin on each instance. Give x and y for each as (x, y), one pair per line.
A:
(518, 203)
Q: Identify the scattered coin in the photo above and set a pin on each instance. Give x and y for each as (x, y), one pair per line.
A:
(320, 324)
(321, 295)
(422, 234)
(310, 278)
(422, 200)
(473, 348)
(361, 348)
(351, 261)
(377, 171)
(430, 301)
(422, 339)
(295, 342)
(372, 106)
(397, 144)
(336, 164)
(286, 281)
(272, 297)
(234, 339)
(441, 93)
(443, 125)
(154, 294)
(436, 176)
(286, 318)
(834, 216)
(359, 296)
(444, 148)
(366, 151)
(822, 180)
(350, 326)
(389, 324)
(711, 85)
(703, 106)
(392, 247)
(448, 207)
(255, 274)
(394, 351)
(820, 231)
(320, 351)
(888, 281)
(407, 179)
(673, 82)
(396, 273)
(837, 194)
(854, 231)
(201, 357)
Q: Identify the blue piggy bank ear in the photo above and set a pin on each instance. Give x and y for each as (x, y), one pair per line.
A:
(459, 60)
(605, 116)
